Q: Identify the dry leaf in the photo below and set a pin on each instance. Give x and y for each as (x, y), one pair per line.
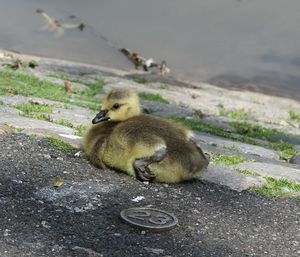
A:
(68, 86)
(59, 182)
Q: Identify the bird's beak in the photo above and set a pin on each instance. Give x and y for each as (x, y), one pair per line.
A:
(101, 116)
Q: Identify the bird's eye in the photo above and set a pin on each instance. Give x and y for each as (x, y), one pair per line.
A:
(116, 106)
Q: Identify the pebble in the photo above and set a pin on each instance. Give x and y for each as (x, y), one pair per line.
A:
(47, 156)
(6, 232)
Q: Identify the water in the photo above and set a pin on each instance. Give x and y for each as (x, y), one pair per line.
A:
(250, 44)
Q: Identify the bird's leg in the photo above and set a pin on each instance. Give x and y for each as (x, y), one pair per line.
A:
(143, 173)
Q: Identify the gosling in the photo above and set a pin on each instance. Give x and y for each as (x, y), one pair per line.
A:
(145, 147)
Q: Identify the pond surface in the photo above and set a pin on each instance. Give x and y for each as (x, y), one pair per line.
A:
(250, 44)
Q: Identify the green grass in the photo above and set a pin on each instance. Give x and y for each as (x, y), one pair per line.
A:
(16, 83)
(153, 97)
(94, 88)
(201, 126)
(237, 115)
(286, 150)
(80, 129)
(227, 160)
(256, 131)
(63, 122)
(19, 130)
(92, 106)
(35, 111)
(294, 116)
(28, 108)
(278, 188)
(39, 116)
(59, 144)
(246, 172)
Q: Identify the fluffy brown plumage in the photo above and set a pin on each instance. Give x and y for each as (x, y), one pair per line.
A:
(143, 146)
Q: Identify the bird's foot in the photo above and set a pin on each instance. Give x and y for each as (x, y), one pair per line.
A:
(143, 173)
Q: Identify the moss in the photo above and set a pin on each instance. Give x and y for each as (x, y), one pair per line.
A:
(63, 122)
(294, 116)
(278, 188)
(237, 115)
(59, 144)
(227, 160)
(153, 97)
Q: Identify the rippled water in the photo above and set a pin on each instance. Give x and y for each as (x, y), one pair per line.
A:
(233, 43)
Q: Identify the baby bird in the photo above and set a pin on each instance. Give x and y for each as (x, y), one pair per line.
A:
(138, 60)
(146, 147)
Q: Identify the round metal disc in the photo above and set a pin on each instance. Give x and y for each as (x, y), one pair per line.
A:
(149, 218)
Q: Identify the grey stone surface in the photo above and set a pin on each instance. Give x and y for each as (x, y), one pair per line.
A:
(41, 128)
(165, 110)
(76, 115)
(295, 140)
(219, 122)
(9, 110)
(225, 176)
(28, 123)
(272, 170)
(241, 147)
(18, 99)
(295, 160)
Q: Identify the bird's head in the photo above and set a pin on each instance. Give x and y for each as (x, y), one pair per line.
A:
(119, 105)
